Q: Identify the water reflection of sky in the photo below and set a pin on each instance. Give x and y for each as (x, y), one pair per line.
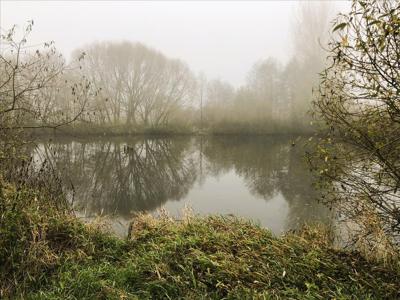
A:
(262, 179)
(228, 194)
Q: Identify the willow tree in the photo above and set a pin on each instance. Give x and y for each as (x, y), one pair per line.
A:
(138, 85)
(359, 102)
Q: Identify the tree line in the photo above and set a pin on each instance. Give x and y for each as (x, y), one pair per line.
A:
(130, 85)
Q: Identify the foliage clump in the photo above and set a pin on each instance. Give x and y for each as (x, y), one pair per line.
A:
(358, 102)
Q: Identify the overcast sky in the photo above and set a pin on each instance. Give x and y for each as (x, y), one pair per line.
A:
(223, 39)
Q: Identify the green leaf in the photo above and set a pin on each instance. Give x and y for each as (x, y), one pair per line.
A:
(374, 22)
(339, 27)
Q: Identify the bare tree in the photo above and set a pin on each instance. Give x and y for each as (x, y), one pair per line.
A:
(32, 83)
(139, 86)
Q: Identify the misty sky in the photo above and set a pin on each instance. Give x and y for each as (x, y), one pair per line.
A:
(223, 39)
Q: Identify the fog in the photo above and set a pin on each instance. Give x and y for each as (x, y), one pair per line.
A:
(222, 38)
(129, 67)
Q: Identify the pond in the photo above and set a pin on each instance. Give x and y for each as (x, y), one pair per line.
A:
(261, 178)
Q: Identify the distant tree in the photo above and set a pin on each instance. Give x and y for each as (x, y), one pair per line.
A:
(138, 85)
(310, 34)
(310, 29)
(359, 104)
(276, 97)
(220, 96)
(266, 82)
(201, 98)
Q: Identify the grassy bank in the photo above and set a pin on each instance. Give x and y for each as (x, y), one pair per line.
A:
(92, 130)
(46, 253)
(262, 128)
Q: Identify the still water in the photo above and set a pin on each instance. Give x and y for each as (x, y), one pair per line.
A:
(264, 179)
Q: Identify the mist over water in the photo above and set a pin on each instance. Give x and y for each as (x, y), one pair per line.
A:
(245, 70)
(264, 179)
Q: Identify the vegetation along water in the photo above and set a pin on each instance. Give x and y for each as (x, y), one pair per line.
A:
(124, 174)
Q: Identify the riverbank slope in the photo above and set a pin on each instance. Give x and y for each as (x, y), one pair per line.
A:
(47, 253)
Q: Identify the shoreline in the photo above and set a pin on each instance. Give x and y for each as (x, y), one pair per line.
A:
(50, 254)
(152, 132)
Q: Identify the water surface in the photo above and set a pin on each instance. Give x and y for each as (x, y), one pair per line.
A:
(264, 179)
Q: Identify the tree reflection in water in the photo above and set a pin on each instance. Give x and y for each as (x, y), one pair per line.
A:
(123, 177)
(270, 166)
